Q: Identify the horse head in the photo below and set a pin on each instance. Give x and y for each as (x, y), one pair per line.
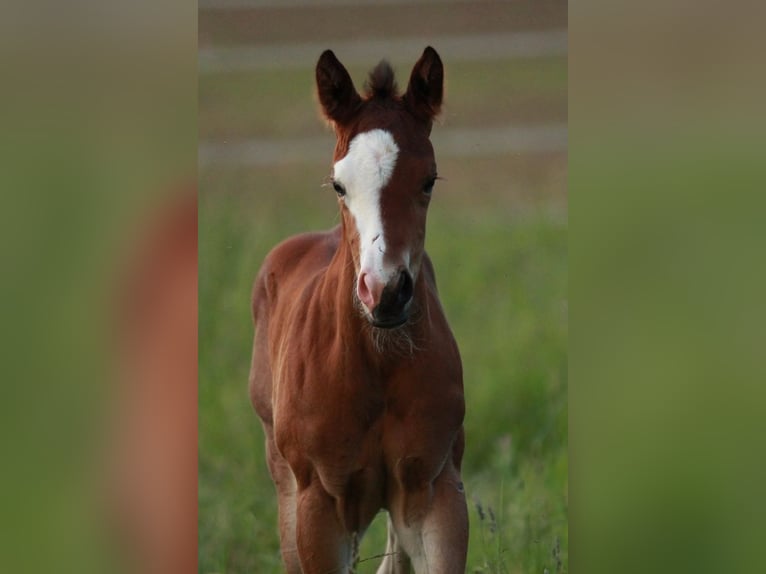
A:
(383, 172)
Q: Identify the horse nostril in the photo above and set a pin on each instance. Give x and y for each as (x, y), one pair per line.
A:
(365, 290)
(391, 310)
(404, 289)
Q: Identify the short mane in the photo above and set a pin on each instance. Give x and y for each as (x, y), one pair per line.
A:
(381, 84)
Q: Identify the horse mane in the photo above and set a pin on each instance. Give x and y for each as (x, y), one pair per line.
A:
(381, 84)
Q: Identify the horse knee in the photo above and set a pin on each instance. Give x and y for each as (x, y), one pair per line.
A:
(431, 518)
(415, 489)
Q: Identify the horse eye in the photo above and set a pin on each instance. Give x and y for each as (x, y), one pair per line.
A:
(338, 189)
(429, 186)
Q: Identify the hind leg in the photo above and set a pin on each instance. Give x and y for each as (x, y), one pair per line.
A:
(284, 481)
(396, 560)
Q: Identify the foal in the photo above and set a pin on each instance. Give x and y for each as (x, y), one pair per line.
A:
(356, 376)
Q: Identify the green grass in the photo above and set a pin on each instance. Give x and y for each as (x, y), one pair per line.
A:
(501, 263)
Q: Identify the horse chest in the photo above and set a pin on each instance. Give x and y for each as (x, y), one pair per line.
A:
(327, 414)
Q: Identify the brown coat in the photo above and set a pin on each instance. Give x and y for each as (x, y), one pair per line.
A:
(359, 418)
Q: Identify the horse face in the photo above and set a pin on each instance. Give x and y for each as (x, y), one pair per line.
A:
(384, 193)
(384, 172)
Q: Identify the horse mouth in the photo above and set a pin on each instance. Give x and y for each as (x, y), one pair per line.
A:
(389, 322)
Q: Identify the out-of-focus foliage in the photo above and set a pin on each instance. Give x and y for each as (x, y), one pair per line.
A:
(98, 108)
(667, 287)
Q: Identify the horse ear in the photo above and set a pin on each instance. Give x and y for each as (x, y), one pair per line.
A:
(426, 87)
(337, 94)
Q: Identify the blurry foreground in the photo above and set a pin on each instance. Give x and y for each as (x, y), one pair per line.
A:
(668, 280)
(98, 290)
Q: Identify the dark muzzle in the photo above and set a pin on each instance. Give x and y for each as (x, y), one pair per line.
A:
(392, 311)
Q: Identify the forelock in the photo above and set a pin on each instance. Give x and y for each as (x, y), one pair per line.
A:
(380, 84)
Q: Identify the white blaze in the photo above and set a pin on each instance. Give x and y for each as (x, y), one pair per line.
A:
(364, 172)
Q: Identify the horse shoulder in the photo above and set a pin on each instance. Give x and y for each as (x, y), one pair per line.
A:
(275, 290)
(297, 257)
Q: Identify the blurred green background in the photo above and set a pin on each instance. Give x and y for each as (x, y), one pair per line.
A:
(497, 234)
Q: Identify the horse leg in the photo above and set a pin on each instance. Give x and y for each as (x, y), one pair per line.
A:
(284, 481)
(445, 528)
(396, 560)
(435, 533)
(324, 546)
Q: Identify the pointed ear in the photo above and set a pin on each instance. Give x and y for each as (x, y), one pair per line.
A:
(424, 93)
(337, 94)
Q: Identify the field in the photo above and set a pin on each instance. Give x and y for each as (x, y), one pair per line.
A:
(497, 234)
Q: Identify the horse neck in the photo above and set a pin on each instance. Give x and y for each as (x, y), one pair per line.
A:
(338, 294)
(340, 283)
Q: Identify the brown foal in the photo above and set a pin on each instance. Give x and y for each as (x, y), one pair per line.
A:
(356, 375)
